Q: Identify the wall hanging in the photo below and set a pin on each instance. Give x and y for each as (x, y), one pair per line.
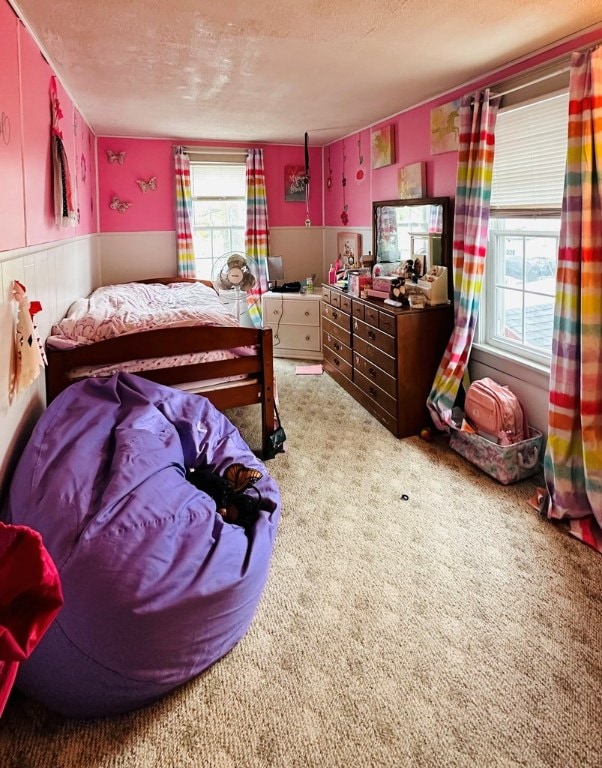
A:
(65, 214)
(5, 127)
(151, 184)
(344, 214)
(445, 127)
(118, 205)
(412, 181)
(28, 351)
(294, 188)
(329, 179)
(359, 174)
(383, 146)
(115, 157)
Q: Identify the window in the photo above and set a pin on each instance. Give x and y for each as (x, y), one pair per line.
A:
(524, 228)
(218, 191)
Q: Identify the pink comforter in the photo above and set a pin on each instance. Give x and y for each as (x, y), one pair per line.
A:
(115, 310)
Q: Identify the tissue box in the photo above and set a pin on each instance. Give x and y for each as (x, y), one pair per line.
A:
(358, 280)
(383, 283)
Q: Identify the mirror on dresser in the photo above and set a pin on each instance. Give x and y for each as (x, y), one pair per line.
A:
(417, 229)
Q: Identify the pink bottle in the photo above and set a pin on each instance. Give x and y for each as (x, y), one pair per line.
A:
(332, 275)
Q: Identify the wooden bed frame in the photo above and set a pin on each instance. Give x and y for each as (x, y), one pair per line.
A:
(256, 387)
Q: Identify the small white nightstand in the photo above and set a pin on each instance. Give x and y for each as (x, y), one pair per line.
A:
(295, 320)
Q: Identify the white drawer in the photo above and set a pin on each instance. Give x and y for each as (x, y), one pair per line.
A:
(295, 337)
(291, 311)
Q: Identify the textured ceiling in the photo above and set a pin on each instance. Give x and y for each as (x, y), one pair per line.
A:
(268, 70)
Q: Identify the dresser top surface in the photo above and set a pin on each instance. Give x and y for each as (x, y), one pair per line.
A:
(380, 304)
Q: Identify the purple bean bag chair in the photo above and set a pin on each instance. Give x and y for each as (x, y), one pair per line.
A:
(157, 586)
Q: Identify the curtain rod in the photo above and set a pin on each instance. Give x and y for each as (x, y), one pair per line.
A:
(532, 82)
(234, 151)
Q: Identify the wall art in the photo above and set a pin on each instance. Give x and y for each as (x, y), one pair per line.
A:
(294, 183)
(349, 249)
(383, 146)
(412, 181)
(445, 127)
(5, 128)
(118, 205)
(115, 157)
(151, 184)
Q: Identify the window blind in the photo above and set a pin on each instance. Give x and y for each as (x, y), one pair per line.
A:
(217, 180)
(530, 154)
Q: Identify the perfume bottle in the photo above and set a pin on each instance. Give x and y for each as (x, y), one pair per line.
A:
(332, 275)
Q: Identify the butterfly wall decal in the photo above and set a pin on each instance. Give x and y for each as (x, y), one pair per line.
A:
(150, 184)
(115, 157)
(119, 205)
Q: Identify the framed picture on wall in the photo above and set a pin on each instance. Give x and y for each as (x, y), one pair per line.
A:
(412, 181)
(294, 187)
(349, 249)
(445, 127)
(383, 146)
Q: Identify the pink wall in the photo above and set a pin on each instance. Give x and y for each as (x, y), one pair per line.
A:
(26, 196)
(12, 231)
(154, 211)
(412, 144)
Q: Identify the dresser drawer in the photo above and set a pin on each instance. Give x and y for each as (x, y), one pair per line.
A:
(337, 316)
(297, 337)
(357, 309)
(326, 295)
(346, 303)
(291, 312)
(375, 394)
(371, 315)
(387, 323)
(338, 348)
(383, 341)
(338, 362)
(375, 356)
(375, 374)
(333, 331)
(335, 299)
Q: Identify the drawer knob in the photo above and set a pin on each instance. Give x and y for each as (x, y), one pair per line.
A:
(371, 373)
(371, 335)
(275, 311)
(307, 338)
(307, 314)
(336, 361)
(334, 314)
(372, 392)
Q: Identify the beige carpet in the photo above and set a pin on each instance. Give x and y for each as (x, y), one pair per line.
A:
(456, 628)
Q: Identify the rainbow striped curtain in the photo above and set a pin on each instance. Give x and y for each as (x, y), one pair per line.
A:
(257, 234)
(184, 239)
(478, 113)
(573, 459)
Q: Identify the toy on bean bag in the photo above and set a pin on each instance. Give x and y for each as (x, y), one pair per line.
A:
(161, 522)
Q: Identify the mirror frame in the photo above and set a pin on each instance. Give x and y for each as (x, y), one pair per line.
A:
(446, 234)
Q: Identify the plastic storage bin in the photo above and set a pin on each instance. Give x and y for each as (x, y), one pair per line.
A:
(506, 463)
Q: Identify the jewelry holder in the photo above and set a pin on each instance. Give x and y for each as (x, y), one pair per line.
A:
(434, 285)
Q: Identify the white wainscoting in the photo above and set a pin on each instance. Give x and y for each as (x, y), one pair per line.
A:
(55, 275)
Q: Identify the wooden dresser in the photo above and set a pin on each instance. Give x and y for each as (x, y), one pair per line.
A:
(385, 357)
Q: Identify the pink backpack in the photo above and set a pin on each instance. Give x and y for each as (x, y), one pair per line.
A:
(495, 412)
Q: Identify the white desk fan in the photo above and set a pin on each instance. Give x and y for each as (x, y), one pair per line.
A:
(232, 277)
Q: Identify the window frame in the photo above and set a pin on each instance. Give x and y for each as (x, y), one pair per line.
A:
(216, 160)
(487, 337)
